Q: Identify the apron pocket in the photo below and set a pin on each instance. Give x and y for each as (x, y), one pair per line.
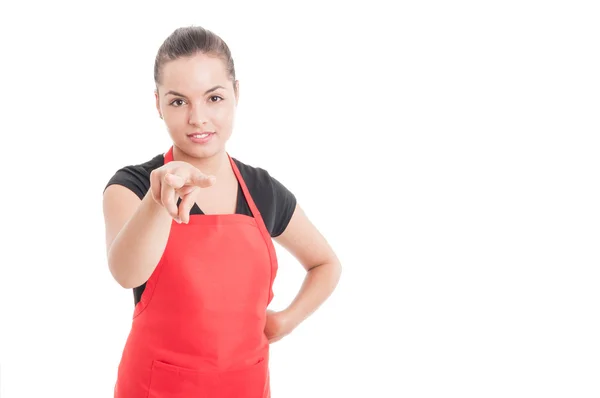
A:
(170, 381)
(251, 382)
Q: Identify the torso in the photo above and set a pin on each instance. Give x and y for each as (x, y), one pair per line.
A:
(199, 327)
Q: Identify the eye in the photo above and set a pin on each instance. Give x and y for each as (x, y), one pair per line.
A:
(177, 103)
(215, 96)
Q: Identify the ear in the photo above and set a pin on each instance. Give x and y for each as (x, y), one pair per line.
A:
(157, 103)
(237, 91)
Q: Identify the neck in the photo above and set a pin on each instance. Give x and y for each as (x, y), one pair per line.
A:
(216, 165)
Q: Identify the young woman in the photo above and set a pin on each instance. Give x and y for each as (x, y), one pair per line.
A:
(191, 232)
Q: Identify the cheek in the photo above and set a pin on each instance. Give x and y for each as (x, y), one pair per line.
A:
(174, 122)
(223, 116)
(174, 117)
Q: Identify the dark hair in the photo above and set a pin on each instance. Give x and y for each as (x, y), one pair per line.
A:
(189, 41)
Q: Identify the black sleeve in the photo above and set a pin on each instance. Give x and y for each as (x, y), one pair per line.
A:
(136, 178)
(284, 205)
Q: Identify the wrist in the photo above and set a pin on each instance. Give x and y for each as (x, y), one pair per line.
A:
(291, 318)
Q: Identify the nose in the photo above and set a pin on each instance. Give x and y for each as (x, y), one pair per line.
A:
(197, 117)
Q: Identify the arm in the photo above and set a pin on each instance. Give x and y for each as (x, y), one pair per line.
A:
(136, 234)
(137, 230)
(323, 269)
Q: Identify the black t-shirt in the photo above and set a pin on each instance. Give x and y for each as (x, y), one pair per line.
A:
(274, 201)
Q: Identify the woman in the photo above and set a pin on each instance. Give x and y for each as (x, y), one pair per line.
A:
(191, 232)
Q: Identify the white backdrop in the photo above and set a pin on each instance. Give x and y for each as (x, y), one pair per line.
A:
(447, 150)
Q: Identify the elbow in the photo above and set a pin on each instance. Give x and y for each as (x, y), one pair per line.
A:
(122, 280)
(333, 266)
(338, 269)
(125, 284)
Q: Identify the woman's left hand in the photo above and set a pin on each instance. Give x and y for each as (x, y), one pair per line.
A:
(278, 326)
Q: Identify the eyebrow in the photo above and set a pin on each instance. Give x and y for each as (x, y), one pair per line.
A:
(181, 95)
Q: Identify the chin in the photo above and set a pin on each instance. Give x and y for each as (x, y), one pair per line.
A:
(202, 150)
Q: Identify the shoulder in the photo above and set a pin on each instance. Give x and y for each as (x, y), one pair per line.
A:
(275, 202)
(259, 181)
(255, 177)
(136, 177)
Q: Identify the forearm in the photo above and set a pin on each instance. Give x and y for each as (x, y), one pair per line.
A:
(138, 247)
(318, 285)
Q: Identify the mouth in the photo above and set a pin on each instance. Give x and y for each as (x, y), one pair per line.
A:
(201, 135)
(201, 138)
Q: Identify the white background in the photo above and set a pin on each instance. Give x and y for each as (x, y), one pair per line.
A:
(447, 150)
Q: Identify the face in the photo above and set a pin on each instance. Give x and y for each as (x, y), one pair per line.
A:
(195, 97)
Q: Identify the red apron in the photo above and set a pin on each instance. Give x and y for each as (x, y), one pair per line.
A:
(198, 329)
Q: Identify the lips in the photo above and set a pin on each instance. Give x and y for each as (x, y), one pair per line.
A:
(201, 135)
(201, 138)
